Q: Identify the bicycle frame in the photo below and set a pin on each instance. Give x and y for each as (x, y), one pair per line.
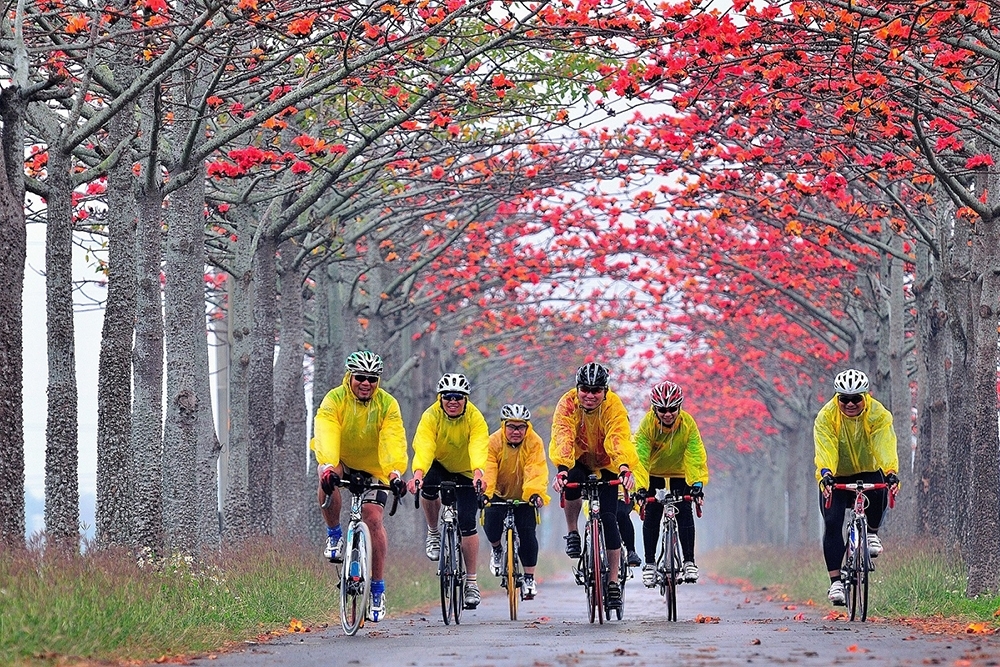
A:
(857, 558)
(355, 573)
(593, 566)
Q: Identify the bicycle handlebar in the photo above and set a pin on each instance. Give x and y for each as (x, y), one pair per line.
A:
(358, 484)
(860, 487)
(671, 497)
(454, 485)
(592, 483)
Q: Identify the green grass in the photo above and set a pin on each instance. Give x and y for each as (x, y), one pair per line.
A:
(111, 606)
(909, 582)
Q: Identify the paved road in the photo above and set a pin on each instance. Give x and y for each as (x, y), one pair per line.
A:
(743, 628)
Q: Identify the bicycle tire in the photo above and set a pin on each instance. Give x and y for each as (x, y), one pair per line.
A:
(458, 582)
(511, 574)
(446, 569)
(849, 573)
(673, 563)
(862, 565)
(622, 578)
(355, 584)
(600, 569)
(587, 565)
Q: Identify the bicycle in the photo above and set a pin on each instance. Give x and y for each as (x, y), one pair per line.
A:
(857, 558)
(451, 564)
(669, 564)
(512, 573)
(592, 570)
(355, 573)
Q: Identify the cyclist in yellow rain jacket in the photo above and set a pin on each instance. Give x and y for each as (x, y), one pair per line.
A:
(358, 427)
(591, 435)
(516, 470)
(450, 444)
(854, 440)
(670, 448)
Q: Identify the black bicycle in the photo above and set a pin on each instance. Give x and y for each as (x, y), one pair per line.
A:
(355, 572)
(451, 564)
(592, 570)
(669, 564)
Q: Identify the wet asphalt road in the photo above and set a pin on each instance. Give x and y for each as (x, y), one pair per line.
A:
(719, 625)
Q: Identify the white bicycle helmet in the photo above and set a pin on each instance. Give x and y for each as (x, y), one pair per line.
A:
(515, 411)
(364, 362)
(851, 381)
(453, 382)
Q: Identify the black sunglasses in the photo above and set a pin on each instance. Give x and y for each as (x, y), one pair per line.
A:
(450, 396)
(587, 389)
(851, 398)
(371, 379)
(663, 410)
(517, 427)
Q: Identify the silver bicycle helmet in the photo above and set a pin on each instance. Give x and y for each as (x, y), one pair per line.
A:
(515, 411)
(851, 381)
(364, 362)
(453, 382)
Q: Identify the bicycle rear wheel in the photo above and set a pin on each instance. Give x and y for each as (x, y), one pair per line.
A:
(355, 580)
(510, 575)
(446, 569)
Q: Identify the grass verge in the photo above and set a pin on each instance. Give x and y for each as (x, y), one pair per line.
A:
(909, 581)
(110, 606)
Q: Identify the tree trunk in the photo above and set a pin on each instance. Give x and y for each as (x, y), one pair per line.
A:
(62, 493)
(261, 373)
(147, 365)
(13, 248)
(904, 518)
(190, 507)
(294, 495)
(983, 557)
(116, 501)
(930, 475)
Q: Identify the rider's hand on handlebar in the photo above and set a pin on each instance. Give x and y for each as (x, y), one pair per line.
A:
(329, 480)
(559, 483)
(696, 491)
(398, 487)
(415, 483)
(892, 480)
(477, 481)
(627, 480)
(536, 500)
(826, 483)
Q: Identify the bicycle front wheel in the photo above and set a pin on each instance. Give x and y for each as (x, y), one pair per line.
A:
(671, 572)
(446, 570)
(859, 575)
(587, 565)
(355, 580)
(458, 583)
(600, 569)
(513, 590)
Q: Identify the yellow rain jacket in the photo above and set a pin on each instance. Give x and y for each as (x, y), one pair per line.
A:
(366, 436)
(851, 445)
(671, 452)
(516, 473)
(600, 439)
(459, 443)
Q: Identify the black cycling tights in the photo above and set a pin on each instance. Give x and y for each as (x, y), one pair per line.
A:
(654, 512)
